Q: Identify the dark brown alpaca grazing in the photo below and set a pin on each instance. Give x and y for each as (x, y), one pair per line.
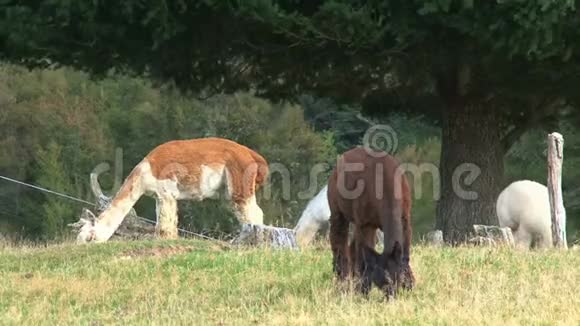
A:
(367, 189)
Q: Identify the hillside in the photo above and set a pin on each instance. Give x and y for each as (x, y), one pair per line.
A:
(199, 282)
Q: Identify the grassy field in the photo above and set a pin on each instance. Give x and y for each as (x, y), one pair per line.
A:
(197, 282)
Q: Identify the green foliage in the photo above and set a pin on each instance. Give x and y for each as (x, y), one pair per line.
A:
(56, 126)
(50, 136)
(52, 174)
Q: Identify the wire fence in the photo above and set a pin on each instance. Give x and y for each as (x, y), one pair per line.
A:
(79, 200)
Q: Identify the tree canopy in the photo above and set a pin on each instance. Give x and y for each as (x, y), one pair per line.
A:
(487, 70)
(228, 45)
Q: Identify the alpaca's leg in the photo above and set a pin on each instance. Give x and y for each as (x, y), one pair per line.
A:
(545, 239)
(339, 245)
(248, 211)
(362, 266)
(370, 236)
(355, 256)
(522, 238)
(365, 260)
(241, 191)
(166, 227)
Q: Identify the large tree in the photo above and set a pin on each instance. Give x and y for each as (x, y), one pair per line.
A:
(487, 70)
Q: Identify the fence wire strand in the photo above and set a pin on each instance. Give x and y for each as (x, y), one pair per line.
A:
(94, 205)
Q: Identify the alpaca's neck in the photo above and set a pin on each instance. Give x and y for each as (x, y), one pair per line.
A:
(316, 213)
(310, 222)
(306, 230)
(317, 209)
(110, 220)
(103, 232)
(112, 217)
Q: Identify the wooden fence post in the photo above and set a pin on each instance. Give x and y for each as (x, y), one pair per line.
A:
(555, 158)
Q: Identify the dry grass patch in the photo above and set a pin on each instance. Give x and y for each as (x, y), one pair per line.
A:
(195, 282)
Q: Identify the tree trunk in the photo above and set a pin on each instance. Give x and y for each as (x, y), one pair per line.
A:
(471, 170)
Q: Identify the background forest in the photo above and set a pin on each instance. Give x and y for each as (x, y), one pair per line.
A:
(56, 126)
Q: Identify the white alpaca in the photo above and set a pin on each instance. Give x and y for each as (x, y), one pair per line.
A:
(185, 169)
(314, 217)
(524, 207)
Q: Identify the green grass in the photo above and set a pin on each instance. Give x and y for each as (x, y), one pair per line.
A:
(196, 282)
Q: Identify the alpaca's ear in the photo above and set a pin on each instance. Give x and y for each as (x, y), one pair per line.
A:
(91, 216)
(79, 224)
(87, 216)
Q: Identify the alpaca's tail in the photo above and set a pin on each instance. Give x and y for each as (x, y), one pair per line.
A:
(263, 169)
(131, 190)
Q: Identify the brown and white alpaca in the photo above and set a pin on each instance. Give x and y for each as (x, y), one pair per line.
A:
(193, 169)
